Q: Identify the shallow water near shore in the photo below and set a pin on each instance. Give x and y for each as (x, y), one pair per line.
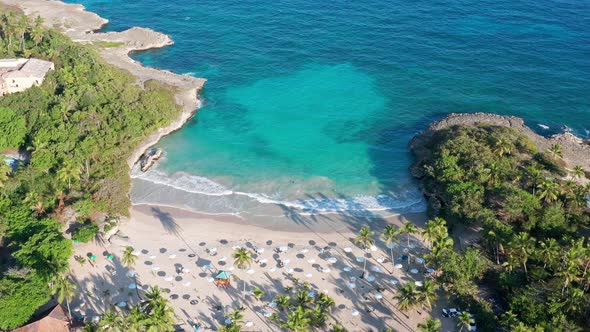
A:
(312, 104)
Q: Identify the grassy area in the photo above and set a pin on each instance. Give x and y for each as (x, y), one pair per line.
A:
(107, 44)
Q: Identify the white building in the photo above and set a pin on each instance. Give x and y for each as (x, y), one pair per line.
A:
(17, 75)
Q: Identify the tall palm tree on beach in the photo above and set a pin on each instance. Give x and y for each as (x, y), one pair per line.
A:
(365, 240)
(427, 293)
(65, 290)
(154, 299)
(111, 322)
(297, 320)
(430, 325)
(408, 296)
(409, 228)
(390, 234)
(129, 257)
(242, 258)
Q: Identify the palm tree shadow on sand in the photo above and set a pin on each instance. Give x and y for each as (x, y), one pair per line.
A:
(166, 220)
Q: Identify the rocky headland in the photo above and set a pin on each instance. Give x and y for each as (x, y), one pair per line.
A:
(83, 26)
(576, 151)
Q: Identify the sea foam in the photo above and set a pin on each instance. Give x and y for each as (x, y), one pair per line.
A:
(410, 200)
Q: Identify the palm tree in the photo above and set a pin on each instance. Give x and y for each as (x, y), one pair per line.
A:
(324, 301)
(408, 296)
(570, 271)
(548, 252)
(390, 234)
(19, 29)
(409, 228)
(502, 146)
(258, 293)
(578, 172)
(523, 244)
(464, 320)
(439, 250)
(65, 290)
(69, 171)
(89, 327)
(36, 30)
(129, 257)
(427, 293)
(154, 313)
(435, 229)
(282, 301)
(236, 317)
(365, 240)
(302, 299)
(430, 325)
(555, 151)
(111, 322)
(297, 321)
(242, 258)
(154, 299)
(548, 191)
(337, 327)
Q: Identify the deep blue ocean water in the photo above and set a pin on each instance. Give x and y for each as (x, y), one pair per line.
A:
(314, 102)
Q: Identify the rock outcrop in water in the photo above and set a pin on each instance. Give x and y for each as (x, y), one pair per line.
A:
(148, 159)
(576, 151)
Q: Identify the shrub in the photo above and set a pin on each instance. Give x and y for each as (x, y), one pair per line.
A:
(85, 233)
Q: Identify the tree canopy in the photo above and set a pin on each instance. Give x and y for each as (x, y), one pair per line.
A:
(77, 128)
(532, 252)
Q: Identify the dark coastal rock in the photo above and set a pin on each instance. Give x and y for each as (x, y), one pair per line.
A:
(575, 150)
(148, 159)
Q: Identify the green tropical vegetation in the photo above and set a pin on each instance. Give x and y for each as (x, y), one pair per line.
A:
(128, 258)
(242, 257)
(430, 325)
(77, 130)
(304, 310)
(528, 266)
(65, 290)
(85, 233)
(151, 314)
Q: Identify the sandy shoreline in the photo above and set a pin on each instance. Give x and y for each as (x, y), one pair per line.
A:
(82, 26)
(165, 237)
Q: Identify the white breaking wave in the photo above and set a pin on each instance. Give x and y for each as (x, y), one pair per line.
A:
(185, 182)
(324, 205)
(543, 126)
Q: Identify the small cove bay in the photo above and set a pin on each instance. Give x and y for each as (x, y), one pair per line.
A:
(312, 104)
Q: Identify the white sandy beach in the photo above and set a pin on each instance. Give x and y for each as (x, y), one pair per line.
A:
(164, 238)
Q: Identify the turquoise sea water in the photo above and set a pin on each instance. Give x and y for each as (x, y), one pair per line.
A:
(312, 103)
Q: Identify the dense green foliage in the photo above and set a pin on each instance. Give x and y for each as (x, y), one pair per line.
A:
(534, 224)
(297, 311)
(21, 294)
(151, 314)
(85, 233)
(79, 127)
